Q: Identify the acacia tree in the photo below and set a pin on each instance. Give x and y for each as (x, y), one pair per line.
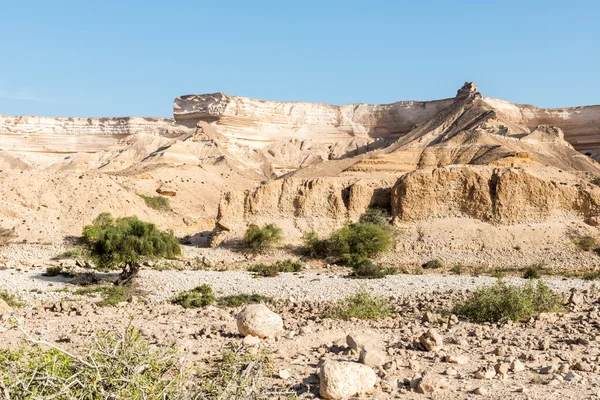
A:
(126, 242)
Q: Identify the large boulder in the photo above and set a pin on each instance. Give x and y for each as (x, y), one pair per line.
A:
(341, 379)
(258, 320)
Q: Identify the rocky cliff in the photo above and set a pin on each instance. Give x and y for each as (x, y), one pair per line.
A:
(303, 165)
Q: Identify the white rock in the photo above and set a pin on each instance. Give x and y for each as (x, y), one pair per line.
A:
(251, 340)
(258, 320)
(372, 357)
(341, 380)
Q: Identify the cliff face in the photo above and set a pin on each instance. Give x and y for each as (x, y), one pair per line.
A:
(303, 165)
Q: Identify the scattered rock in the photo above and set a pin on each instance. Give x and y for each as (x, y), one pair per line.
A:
(372, 357)
(432, 340)
(251, 340)
(457, 359)
(258, 320)
(359, 341)
(431, 383)
(341, 380)
(485, 373)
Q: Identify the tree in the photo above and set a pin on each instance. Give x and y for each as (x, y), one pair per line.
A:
(127, 241)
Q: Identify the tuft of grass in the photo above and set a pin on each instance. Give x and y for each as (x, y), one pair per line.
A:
(200, 296)
(10, 298)
(361, 305)
(238, 373)
(71, 253)
(436, 263)
(458, 269)
(500, 301)
(270, 270)
(114, 295)
(159, 203)
(238, 300)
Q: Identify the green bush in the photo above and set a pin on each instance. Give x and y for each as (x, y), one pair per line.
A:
(71, 253)
(355, 241)
(436, 263)
(270, 270)
(259, 240)
(314, 247)
(377, 216)
(585, 243)
(458, 269)
(200, 296)
(159, 203)
(56, 270)
(127, 241)
(532, 273)
(241, 300)
(116, 365)
(367, 269)
(361, 305)
(508, 302)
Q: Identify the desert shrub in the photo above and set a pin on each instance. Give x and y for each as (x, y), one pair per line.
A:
(533, 272)
(237, 373)
(585, 243)
(509, 302)
(436, 263)
(113, 295)
(367, 269)
(361, 305)
(127, 241)
(241, 300)
(458, 269)
(10, 299)
(115, 365)
(355, 241)
(314, 247)
(56, 270)
(200, 296)
(377, 216)
(71, 253)
(259, 240)
(591, 276)
(6, 236)
(159, 203)
(270, 270)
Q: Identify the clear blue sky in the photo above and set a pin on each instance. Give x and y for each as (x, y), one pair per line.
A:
(130, 57)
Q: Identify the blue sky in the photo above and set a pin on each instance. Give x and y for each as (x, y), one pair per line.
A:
(130, 57)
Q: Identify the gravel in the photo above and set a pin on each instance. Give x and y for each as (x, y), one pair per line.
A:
(162, 285)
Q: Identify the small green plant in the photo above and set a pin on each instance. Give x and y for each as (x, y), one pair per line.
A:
(591, 276)
(127, 241)
(314, 247)
(71, 253)
(498, 274)
(270, 270)
(238, 300)
(259, 240)
(115, 365)
(367, 269)
(377, 216)
(237, 373)
(458, 269)
(509, 302)
(114, 295)
(356, 241)
(361, 305)
(533, 272)
(159, 203)
(200, 296)
(56, 270)
(10, 298)
(436, 263)
(585, 243)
